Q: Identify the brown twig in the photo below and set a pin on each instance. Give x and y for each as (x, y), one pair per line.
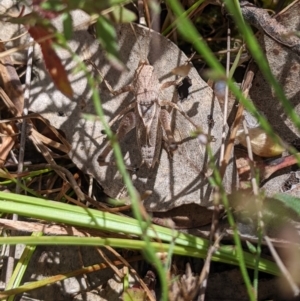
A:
(245, 88)
(133, 272)
(266, 170)
(282, 267)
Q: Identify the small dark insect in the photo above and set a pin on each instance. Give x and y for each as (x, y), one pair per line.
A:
(150, 279)
(60, 113)
(183, 88)
(290, 183)
(296, 144)
(92, 31)
(210, 121)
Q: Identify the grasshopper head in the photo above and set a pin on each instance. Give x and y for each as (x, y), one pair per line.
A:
(143, 62)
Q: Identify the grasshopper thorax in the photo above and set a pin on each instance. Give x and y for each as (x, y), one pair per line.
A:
(146, 85)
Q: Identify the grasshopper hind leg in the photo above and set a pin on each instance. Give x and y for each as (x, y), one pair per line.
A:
(165, 119)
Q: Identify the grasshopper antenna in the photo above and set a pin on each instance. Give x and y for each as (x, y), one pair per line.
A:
(149, 13)
(141, 6)
(144, 56)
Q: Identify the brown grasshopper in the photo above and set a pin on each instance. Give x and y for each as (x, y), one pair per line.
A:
(147, 115)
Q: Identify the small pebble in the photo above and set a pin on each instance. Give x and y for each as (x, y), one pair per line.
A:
(219, 89)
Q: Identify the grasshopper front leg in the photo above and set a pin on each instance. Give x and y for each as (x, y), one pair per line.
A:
(128, 88)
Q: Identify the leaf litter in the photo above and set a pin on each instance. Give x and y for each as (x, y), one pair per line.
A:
(65, 110)
(280, 47)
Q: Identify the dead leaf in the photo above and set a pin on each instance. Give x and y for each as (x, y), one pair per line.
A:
(261, 144)
(7, 141)
(134, 294)
(184, 217)
(285, 65)
(182, 70)
(12, 96)
(52, 61)
(273, 27)
(10, 82)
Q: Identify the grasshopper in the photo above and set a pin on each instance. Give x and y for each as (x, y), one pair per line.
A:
(147, 114)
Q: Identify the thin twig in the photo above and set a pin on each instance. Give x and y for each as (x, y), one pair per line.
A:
(146, 9)
(260, 222)
(51, 229)
(245, 88)
(225, 112)
(69, 175)
(110, 263)
(215, 218)
(202, 282)
(140, 7)
(62, 276)
(282, 267)
(12, 249)
(251, 160)
(133, 272)
(16, 38)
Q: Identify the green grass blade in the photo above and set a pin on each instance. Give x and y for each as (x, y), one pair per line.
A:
(225, 254)
(21, 266)
(94, 219)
